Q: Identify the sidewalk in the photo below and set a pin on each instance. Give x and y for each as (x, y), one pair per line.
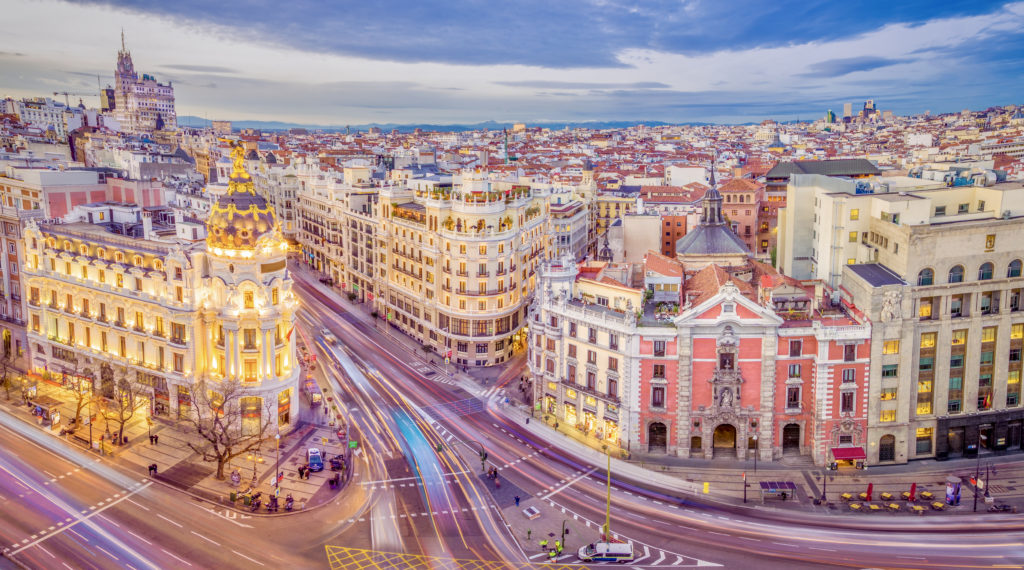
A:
(178, 466)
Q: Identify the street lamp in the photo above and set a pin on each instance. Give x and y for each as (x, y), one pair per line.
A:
(277, 471)
(755, 453)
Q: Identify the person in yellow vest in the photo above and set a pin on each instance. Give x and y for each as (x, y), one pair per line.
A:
(544, 543)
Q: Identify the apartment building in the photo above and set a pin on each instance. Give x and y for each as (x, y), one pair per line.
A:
(944, 293)
(457, 263)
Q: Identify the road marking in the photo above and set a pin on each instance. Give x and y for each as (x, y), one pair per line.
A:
(205, 538)
(72, 531)
(175, 557)
(825, 549)
(104, 551)
(783, 544)
(660, 558)
(139, 537)
(571, 481)
(247, 558)
(721, 533)
(169, 520)
(108, 520)
(40, 546)
(138, 505)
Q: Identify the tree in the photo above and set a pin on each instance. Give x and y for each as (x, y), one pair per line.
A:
(219, 416)
(80, 386)
(8, 371)
(128, 398)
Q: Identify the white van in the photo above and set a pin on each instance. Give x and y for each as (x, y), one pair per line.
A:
(606, 552)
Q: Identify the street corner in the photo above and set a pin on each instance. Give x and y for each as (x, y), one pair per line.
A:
(541, 527)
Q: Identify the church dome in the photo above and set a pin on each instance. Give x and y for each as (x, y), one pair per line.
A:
(241, 217)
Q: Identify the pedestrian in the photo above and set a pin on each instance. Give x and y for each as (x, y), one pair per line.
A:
(151, 440)
(543, 544)
(307, 471)
(156, 439)
(301, 469)
(552, 555)
(558, 546)
(517, 500)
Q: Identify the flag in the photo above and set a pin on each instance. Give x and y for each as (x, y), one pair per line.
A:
(288, 336)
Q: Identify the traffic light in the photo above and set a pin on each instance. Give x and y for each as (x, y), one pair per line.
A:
(483, 456)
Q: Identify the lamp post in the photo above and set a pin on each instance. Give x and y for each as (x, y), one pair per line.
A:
(277, 469)
(755, 453)
(977, 477)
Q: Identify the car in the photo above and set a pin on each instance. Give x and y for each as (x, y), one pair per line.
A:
(606, 552)
(328, 336)
(315, 459)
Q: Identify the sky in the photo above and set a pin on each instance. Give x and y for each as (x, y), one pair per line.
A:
(338, 62)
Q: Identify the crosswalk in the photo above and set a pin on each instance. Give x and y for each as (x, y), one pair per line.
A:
(644, 556)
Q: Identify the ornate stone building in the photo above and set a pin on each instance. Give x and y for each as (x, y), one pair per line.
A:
(167, 312)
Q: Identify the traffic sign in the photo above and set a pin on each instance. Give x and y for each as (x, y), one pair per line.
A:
(447, 360)
(353, 444)
(323, 440)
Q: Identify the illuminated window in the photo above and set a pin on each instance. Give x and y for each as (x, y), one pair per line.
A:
(988, 334)
(853, 237)
(887, 394)
(273, 296)
(1013, 377)
(924, 386)
(925, 310)
(248, 299)
(888, 416)
(1017, 331)
(924, 408)
(928, 340)
(891, 347)
(854, 214)
(959, 337)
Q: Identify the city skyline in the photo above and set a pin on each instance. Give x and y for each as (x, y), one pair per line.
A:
(573, 63)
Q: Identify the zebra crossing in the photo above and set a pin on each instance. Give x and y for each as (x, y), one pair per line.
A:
(645, 556)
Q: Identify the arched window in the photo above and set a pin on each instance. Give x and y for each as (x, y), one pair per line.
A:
(1013, 270)
(137, 260)
(956, 275)
(926, 276)
(985, 271)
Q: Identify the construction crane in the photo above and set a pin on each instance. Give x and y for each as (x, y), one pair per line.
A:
(68, 93)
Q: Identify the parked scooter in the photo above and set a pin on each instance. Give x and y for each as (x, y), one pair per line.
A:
(272, 505)
(289, 502)
(256, 501)
(1001, 508)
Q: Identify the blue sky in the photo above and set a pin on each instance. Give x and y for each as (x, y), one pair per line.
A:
(528, 60)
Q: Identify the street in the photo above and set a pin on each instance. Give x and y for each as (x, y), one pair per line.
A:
(420, 493)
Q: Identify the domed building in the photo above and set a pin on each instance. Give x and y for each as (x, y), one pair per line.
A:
(248, 310)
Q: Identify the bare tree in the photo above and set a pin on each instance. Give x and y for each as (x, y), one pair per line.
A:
(218, 415)
(128, 398)
(9, 371)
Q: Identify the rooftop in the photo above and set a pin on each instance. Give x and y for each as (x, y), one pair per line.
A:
(876, 274)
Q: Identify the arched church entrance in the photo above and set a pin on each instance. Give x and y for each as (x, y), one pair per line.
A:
(791, 438)
(724, 440)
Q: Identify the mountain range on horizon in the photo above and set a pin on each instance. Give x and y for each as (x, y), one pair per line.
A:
(199, 122)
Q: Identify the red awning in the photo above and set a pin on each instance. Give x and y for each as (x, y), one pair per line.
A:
(848, 453)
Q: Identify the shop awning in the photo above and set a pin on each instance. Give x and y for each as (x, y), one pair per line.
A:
(848, 453)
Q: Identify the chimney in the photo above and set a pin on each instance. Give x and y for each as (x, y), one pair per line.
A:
(147, 225)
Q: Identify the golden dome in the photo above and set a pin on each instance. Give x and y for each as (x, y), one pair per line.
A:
(241, 216)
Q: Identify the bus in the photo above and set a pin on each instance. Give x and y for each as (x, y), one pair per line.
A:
(312, 390)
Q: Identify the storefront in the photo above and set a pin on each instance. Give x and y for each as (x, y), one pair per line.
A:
(284, 406)
(250, 406)
(570, 414)
(184, 402)
(996, 432)
(611, 431)
(848, 456)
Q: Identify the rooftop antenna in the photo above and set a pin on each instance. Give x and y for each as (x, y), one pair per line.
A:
(122, 40)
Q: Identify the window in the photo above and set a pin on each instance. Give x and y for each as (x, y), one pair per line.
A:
(888, 416)
(853, 237)
(924, 440)
(891, 347)
(572, 330)
(551, 344)
(249, 339)
(572, 351)
(1014, 355)
(926, 364)
(986, 357)
(613, 387)
(613, 342)
(956, 306)
(794, 370)
(570, 373)
(659, 348)
(273, 296)
(928, 340)
(795, 347)
(890, 370)
(926, 276)
(953, 407)
(887, 394)
(846, 402)
(591, 357)
(481, 348)
(1013, 270)
(988, 334)
(985, 271)
(659, 371)
(963, 208)
(855, 214)
(793, 397)
(959, 337)
(940, 211)
(956, 274)
(658, 397)
(1017, 331)
(613, 364)
(591, 381)
(849, 375)
(924, 408)
(592, 335)
(956, 361)
(248, 299)
(925, 309)
(985, 381)
(850, 353)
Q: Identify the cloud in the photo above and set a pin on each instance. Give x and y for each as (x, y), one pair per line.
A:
(11, 54)
(845, 66)
(583, 85)
(562, 34)
(198, 68)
